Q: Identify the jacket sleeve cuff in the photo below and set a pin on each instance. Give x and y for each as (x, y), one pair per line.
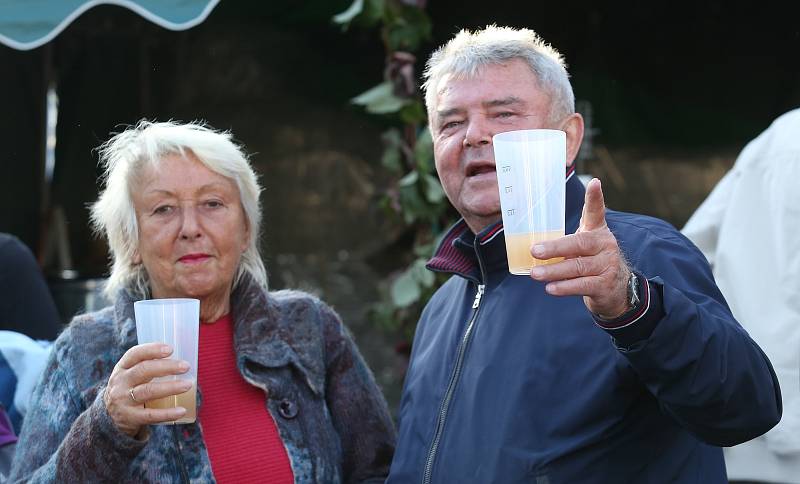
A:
(637, 324)
(109, 436)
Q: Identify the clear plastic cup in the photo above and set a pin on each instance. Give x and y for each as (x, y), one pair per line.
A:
(531, 168)
(175, 322)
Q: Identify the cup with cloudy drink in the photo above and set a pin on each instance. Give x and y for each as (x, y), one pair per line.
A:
(175, 322)
(530, 168)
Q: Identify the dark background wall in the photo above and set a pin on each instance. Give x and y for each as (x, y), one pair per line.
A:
(675, 91)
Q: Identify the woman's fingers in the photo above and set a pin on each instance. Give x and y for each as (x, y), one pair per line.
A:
(153, 390)
(131, 384)
(147, 351)
(151, 416)
(145, 371)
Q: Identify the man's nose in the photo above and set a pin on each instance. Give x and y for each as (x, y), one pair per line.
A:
(190, 225)
(478, 133)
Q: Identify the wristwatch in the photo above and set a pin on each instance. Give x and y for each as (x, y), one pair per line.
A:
(633, 290)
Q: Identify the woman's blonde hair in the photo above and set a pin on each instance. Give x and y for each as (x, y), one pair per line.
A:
(123, 158)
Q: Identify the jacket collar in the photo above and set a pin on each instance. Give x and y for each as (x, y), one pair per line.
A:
(456, 253)
(263, 333)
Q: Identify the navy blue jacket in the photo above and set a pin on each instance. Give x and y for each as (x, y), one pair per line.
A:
(509, 384)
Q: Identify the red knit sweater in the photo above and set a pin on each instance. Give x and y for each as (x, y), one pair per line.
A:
(241, 436)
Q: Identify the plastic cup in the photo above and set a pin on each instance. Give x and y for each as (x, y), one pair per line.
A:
(175, 322)
(530, 167)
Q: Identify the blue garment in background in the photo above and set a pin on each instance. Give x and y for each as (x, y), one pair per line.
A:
(21, 362)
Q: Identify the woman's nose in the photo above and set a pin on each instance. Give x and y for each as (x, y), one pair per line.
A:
(190, 226)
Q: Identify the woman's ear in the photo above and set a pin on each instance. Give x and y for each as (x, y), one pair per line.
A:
(573, 126)
(246, 241)
(136, 259)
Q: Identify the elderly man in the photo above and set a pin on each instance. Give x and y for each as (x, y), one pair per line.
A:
(621, 363)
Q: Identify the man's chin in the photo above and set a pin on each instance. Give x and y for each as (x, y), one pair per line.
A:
(479, 220)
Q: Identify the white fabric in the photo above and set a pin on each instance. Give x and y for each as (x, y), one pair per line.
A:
(27, 358)
(748, 229)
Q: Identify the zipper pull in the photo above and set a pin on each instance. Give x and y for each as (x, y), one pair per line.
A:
(478, 295)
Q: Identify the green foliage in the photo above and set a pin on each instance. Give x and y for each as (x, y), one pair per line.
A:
(368, 12)
(416, 199)
(407, 26)
(380, 99)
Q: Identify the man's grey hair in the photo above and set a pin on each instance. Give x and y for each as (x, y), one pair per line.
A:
(124, 158)
(468, 52)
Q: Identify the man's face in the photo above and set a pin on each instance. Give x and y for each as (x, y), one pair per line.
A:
(469, 111)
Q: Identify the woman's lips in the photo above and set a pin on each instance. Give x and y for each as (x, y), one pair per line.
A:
(193, 258)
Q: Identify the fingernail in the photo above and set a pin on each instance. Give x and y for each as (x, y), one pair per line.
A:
(537, 272)
(179, 411)
(186, 385)
(165, 350)
(183, 366)
(537, 250)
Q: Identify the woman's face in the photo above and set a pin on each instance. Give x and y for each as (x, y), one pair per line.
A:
(192, 229)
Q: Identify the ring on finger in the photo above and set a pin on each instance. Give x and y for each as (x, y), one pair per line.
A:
(133, 397)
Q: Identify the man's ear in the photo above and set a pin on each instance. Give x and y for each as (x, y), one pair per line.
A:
(573, 126)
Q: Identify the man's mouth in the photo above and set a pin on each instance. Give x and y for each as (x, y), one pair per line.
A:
(480, 169)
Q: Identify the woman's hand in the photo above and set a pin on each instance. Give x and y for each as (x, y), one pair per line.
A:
(130, 385)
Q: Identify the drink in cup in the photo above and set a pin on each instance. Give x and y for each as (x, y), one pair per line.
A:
(175, 322)
(530, 168)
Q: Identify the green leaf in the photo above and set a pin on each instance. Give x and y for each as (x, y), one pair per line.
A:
(411, 203)
(391, 159)
(374, 11)
(380, 99)
(413, 113)
(392, 155)
(433, 189)
(424, 251)
(348, 15)
(422, 274)
(409, 180)
(405, 290)
(408, 28)
(423, 150)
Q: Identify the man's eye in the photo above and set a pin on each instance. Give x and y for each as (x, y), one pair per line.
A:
(214, 204)
(505, 114)
(450, 125)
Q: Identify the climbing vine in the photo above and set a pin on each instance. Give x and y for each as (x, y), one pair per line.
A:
(415, 198)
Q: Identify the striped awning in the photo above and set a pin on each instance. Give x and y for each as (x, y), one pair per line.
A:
(27, 24)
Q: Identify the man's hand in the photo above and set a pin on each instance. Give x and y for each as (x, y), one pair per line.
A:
(593, 266)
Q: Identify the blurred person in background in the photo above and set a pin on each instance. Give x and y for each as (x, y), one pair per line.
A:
(284, 395)
(621, 363)
(8, 444)
(26, 305)
(749, 230)
(29, 321)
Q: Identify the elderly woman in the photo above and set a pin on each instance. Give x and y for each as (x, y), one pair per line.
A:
(284, 395)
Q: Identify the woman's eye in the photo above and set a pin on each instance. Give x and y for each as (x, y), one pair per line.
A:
(213, 204)
(163, 210)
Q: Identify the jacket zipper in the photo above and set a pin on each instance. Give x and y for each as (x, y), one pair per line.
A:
(448, 395)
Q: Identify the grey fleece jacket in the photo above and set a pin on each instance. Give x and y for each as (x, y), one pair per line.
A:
(330, 414)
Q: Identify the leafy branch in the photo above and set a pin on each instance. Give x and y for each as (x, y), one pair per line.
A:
(415, 197)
